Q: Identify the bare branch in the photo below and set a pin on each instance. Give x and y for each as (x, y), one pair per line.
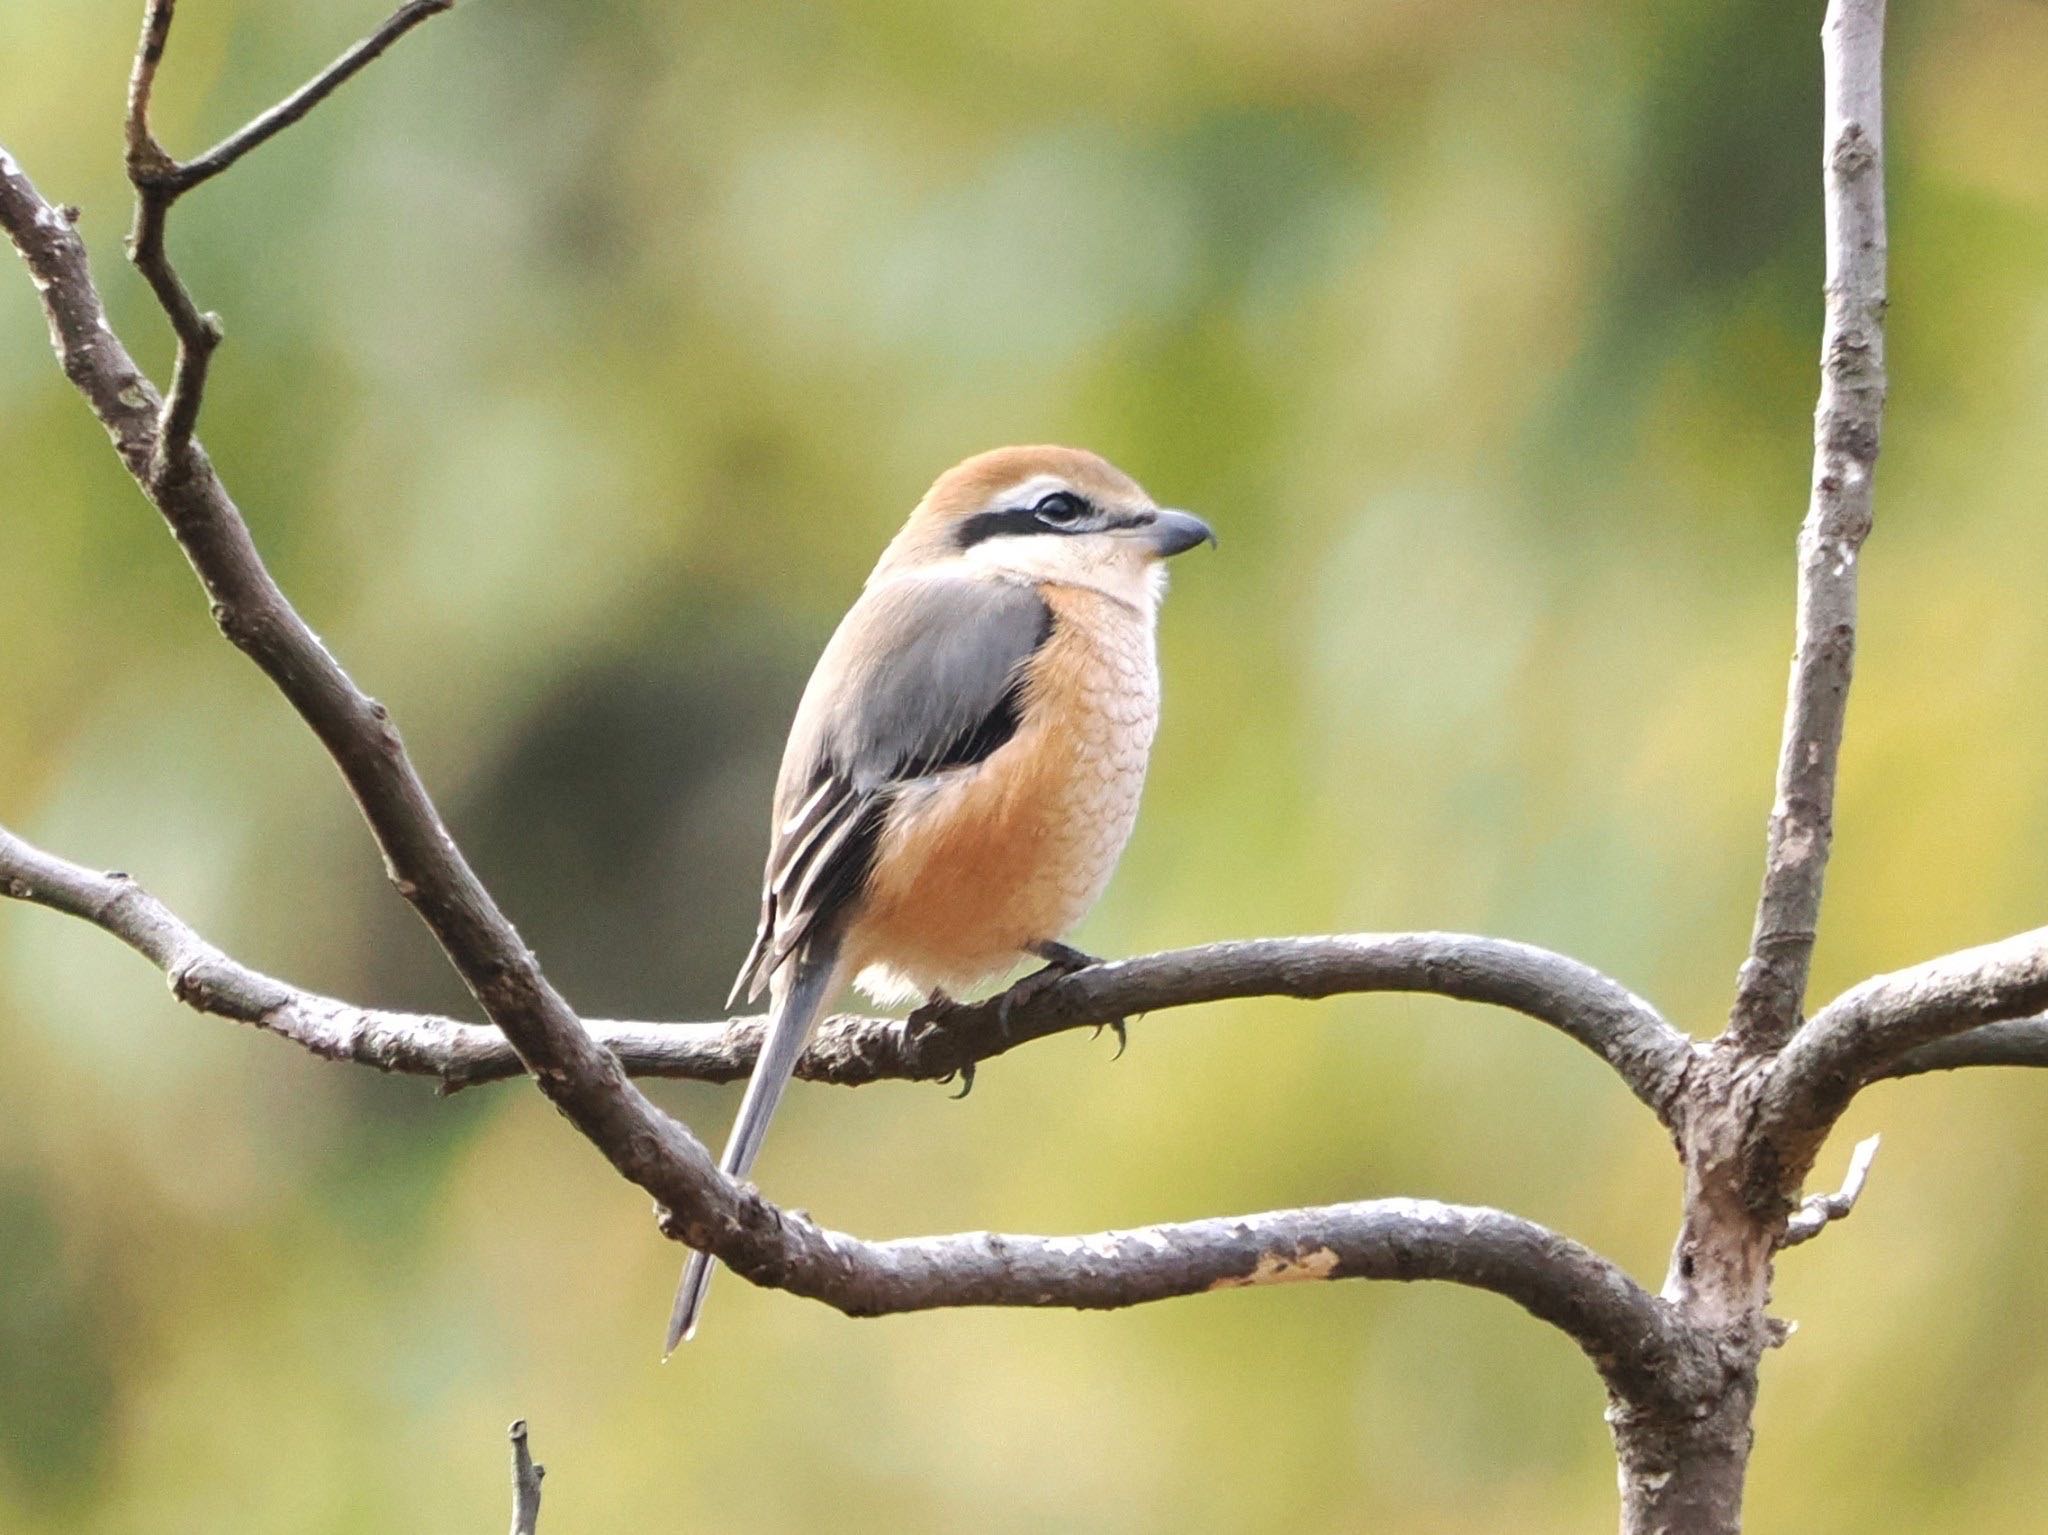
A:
(149, 52)
(159, 181)
(1643, 1351)
(1772, 985)
(526, 1479)
(269, 124)
(1857, 1037)
(1649, 1054)
(1631, 1336)
(1818, 1211)
(2020, 1042)
(1628, 1333)
(87, 348)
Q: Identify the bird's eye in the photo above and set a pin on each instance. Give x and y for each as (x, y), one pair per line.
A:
(1061, 509)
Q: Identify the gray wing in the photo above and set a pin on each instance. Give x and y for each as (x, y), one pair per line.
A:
(924, 676)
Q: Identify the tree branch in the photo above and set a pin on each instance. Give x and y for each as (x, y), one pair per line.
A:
(1859, 1036)
(1636, 1341)
(1772, 984)
(1630, 1335)
(268, 125)
(526, 1479)
(1601, 1014)
(87, 349)
(159, 181)
(2020, 1042)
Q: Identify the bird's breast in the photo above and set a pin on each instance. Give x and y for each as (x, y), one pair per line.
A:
(975, 865)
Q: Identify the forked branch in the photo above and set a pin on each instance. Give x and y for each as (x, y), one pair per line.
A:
(1872, 1029)
(159, 181)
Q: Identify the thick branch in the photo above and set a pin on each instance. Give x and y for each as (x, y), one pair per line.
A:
(91, 355)
(1635, 1340)
(1629, 1335)
(1859, 1037)
(1772, 985)
(1598, 1012)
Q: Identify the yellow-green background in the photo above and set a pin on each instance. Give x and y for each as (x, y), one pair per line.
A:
(581, 357)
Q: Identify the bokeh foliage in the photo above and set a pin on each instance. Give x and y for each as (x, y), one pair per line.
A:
(580, 358)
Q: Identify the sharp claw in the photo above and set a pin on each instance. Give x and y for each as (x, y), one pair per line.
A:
(1115, 1026)
(966, 1076)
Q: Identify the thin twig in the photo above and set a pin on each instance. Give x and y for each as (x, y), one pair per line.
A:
(1598, 1012)
(308, 96)
(1772, 985)
(527, 1474)
(1819, 1210)
(526, 1480)
(149, 52)
(159, 181)
(2019, 1042)
(153, 174)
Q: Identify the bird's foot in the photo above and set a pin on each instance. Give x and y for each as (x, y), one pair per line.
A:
(931, 1014)
(1061, 960)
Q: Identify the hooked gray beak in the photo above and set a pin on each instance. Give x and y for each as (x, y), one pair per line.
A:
(1171, 532)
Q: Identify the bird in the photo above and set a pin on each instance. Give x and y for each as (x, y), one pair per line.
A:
(965, 764)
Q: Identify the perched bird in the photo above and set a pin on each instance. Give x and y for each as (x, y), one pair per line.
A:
(964, 767)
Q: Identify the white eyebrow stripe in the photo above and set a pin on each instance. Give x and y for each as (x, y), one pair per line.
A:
(1028, 491)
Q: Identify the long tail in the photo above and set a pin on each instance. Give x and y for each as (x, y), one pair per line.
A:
(814, 979)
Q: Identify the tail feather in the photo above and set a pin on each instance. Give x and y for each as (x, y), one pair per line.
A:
(749, 979)
(814, 978)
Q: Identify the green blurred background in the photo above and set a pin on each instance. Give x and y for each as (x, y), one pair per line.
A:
(581, 357)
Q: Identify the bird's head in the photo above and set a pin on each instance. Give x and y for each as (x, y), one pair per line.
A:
(1046, 514)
